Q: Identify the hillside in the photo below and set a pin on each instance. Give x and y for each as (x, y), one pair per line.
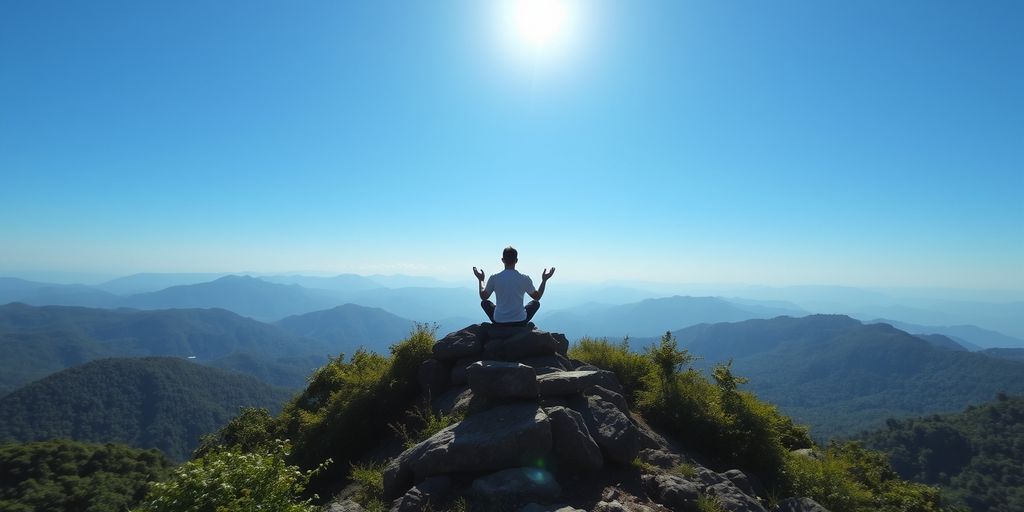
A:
(652, 317)
(841, 376)
(976, 456)
(347, 327)
(74, 476)
(37, 341)
(163, 403)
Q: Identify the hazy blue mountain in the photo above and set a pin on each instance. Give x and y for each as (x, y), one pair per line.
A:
(345, 283)
(940, 341)
(164, 403)
(347, 327)
(151, 282)
(37, 341)
(1013, 354)
(421, 304)
(650, 317)
(290, 372)
(1006, 317)
(245, 295)
(404, 281)
(842, 376)
(970, 336)
(13, 289)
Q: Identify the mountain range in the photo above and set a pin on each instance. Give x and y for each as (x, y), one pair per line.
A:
(842, 376)
(164, 403)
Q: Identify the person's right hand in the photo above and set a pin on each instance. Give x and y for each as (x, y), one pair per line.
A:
(546, 274)
(479, 274)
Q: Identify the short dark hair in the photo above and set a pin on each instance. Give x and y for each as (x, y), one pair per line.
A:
(510, 254)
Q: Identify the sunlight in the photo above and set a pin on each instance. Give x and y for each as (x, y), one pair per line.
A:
(538, 30)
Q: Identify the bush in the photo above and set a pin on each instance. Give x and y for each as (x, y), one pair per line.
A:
(850, 478)
(347, 407)
(232, 481)
(630, 367)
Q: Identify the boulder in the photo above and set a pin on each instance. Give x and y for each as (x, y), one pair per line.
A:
(572, 444)
(454, 400)
(433, 377)
(535, 507)
(749, 484)
(502, 331)
(496, 379)
(660, 458)
(706, 478)
(798, 505)
(610, 396)
(610, 506)
(648, 437)
(611, 429)
(458, 376)
(548, 364)
(345, 506)
(732, 499)
(675, 492)
(576, 381)
(432, 490)
(525, 344)
(518, 484)
(506, 436)
(459, 344)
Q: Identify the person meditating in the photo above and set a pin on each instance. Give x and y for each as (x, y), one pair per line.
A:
(509, 286)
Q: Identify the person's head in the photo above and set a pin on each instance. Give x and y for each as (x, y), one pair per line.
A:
(510, 256)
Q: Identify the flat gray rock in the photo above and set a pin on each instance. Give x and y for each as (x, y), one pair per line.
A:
(506, 436)
(732, 499)
(463, 343)
(497, 379)
(675, 492)
(575, 381)
(611, 429)
(525, 344)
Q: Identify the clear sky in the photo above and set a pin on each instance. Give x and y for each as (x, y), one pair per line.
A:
(869, 143)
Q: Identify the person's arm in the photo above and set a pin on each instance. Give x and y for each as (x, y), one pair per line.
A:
(484, 294)
(544, 276)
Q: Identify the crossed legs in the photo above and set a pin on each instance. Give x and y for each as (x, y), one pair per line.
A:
(531, 309)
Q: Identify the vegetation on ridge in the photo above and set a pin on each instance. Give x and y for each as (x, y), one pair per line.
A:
(975, 456)
(732, 427)
(69, 475)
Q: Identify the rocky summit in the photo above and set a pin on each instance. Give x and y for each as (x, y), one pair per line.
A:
(541, 432)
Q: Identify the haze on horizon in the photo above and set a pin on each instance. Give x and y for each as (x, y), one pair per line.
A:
(861, 144)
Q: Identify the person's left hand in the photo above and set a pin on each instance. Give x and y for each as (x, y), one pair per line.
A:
(479, 274)
(546, 274)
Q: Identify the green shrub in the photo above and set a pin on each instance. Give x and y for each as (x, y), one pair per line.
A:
(233, 481)
(630, 367)
(254, 428)
(347, 407)
(370, 478)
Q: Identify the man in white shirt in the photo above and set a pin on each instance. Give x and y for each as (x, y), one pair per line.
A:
(509, 286)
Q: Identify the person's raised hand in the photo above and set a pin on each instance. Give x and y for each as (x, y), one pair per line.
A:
(479, 274)
(546, 274)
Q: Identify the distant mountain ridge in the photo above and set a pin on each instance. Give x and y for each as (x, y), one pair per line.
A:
(653, 317)
(348, 327)
(164, 403)
(842, 376)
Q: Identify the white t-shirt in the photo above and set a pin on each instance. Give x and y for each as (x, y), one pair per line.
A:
(508, 287)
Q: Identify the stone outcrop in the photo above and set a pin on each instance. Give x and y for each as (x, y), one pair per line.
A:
(532, 416)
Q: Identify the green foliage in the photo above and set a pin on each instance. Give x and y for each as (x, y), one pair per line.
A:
(708, 504)
(74, 476)
(630, 367)
(348, 405)
(254, 428)
(233, 481)
(850, 478)
(164, 403)
(370, 478)
(421, 423)
(975, 456)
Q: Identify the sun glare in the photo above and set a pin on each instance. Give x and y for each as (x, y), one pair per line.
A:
(538, 30)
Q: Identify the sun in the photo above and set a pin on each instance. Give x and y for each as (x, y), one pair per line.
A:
(538, 29)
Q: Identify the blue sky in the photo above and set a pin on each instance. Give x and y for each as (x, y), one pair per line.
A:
(871, 143)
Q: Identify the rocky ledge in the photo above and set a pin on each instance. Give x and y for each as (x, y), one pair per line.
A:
(534, 417)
